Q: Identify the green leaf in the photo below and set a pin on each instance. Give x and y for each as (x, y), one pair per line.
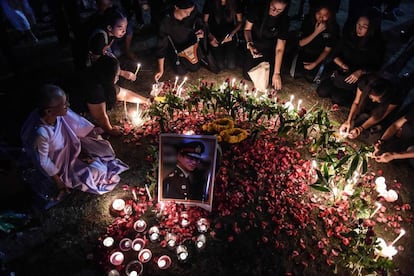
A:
(353, 166)
(320, 188)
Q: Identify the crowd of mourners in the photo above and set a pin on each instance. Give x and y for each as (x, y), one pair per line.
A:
(345, 63)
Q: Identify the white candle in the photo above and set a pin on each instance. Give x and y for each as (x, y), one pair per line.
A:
(291, 99)
(162, 263)
(140, 225)
(171, 243)
(137, 247)
(134, 194)
(182, 83)
(200, 244)
(148, 192)
(144, 255)
(402, 233)
(116, 258)
(175, 83)
(390, 195)
(233, 81)
(379, 205)
(137, 108)
(299, 103)
(118, 204)
(133, 273)
(125, 106)
(380, 185)
(108, 242)
(136, 70)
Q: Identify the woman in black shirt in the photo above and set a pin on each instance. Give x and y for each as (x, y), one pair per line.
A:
(359, 51)
(266, 31)
(224, 20)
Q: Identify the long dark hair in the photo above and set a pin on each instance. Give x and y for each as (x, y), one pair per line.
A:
(370, 37)
(219, 14)
(331, 23)
(379, 86)
(104, 70)
(266, 12)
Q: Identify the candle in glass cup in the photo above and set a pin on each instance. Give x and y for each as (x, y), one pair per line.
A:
(201, 241)
(140, 225)
(154, 233)
(134, 267)
(171, 239)
(138, 244)
(108, 241)
(125, 244)
(118, 204)
(164, 262)
(144, 255)
(117, 258)
(182, 253)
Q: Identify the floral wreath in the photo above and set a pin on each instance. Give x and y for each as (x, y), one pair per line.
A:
(233, 135)
(219, 125)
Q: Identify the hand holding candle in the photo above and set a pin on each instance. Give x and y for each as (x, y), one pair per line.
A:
(137, 70)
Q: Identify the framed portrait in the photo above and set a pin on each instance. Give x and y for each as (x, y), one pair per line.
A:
(187, 166)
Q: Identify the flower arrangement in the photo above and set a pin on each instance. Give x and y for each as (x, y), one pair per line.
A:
(268, 197)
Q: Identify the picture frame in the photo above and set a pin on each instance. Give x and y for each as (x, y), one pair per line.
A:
(187, 165)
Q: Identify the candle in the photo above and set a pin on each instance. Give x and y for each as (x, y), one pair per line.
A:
(138, 67)
(201, 241)
(137, 108)
(299, 103)
(390, 195)
(125, 244)
(233, 81)
(402, 233)
(184, 219)
(154, 233)
(144, 255)
(171, 239)
(128, 210)
(164, 262)
(175, 83)
(108, 242)
(138, 244)
(125, 106)
(116, 258)
(134, 267)
(140, 225)
(113, 272)
(134, 194)
(118, 204)
(379, 205)
(202, 225)
(182, 83)
(148, 192)
(182, 252)
(380, 185)
(291, 99)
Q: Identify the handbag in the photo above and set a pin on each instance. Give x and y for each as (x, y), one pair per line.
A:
(190, 53)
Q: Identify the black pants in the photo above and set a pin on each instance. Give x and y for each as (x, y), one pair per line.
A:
(225, 55)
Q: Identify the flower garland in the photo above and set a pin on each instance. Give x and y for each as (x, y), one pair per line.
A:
(233, 135)
(219, 125)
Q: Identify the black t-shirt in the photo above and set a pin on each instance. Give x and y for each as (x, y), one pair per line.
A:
(220, 21)
(327, 38)
(267, 29)
(181, 32)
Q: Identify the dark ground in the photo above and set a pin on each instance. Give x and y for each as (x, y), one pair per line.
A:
(62, 240)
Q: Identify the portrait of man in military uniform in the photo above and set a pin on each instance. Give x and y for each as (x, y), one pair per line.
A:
(187, 168)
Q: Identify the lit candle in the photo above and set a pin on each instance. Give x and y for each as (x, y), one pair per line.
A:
(202, 225)
(125, 106)
(379, 205)
(108, 242)
(136, 70)
(148, 192)
(140, 225)
(182, 252)
(182, 83)
(113, 272)
(154, 233)
(175, 83)
(144, 255)
(164, 262)
(299, 103)
(134, 193)
(137, 108)
(138, 244)
(291, 99)
(171, 239)
(179, 91)
(118, 204)
(233, 81)
(390, 195)
(184, 219)
(125, 244)
(116, 258)
(402, 233)
(201, 241)
(133, 273)
(380, 185)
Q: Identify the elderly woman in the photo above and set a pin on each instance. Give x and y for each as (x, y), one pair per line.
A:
(266, 31)
(66, 150)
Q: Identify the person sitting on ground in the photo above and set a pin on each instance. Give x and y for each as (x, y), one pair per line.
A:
(224, 20)
(397, 140)
(101, 40)
(266, 31)
(376, 98)
(66, 149)
(360, 51)
(95, 91)
(319, 34)
(179, 39)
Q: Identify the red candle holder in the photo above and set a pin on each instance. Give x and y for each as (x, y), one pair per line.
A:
(164, 262)
(125, 244)
(140, 225)
(138, 244)
(144, 255)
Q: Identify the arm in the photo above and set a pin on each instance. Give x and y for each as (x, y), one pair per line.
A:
(321, 58)
(392, 129)
(280, 49)
(127, 75)
(130, 96)
(319, 27)
(249, 39)
(211, 38)
(389, 156)
(160, 71)
(229, 37)
(98, 112)
(338, 61)
(347, 125)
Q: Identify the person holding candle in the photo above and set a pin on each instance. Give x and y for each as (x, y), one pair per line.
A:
(95, 91)
(360, 51)
(180, 33)
(66, 150)
(223, 19)
(318, 35)
(376, 99)
(266, 32)
(101, 39)
(397, 140)
(186, 181)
